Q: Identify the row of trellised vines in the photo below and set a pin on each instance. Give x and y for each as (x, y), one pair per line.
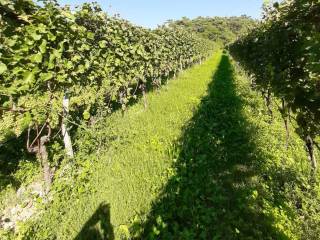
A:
(284, 55)
(58, 66)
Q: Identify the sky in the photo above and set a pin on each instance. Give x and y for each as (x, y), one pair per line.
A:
(151, 13)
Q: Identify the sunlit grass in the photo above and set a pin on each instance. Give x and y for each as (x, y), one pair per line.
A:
(137, 162)
(202, 161)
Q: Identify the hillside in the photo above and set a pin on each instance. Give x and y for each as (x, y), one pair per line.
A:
(219, 29)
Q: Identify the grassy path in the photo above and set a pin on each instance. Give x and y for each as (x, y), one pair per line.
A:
(139, 158)
(202, 162)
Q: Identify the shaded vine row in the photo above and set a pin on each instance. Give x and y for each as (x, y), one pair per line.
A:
(283, 54)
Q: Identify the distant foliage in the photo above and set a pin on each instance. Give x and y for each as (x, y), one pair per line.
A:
(48, 53)
(223, 30)
(283, 53)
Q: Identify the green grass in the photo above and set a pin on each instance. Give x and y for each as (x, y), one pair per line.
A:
(139, 156)
(228, 155)
(202, 162)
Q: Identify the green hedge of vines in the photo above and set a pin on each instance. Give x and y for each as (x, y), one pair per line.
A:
(49, 52)
(283, 53)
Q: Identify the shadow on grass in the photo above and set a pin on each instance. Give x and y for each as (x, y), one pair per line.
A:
(98, 227)
(11, 153)
(213, 193)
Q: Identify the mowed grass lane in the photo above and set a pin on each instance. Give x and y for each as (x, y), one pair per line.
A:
(135, 165)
